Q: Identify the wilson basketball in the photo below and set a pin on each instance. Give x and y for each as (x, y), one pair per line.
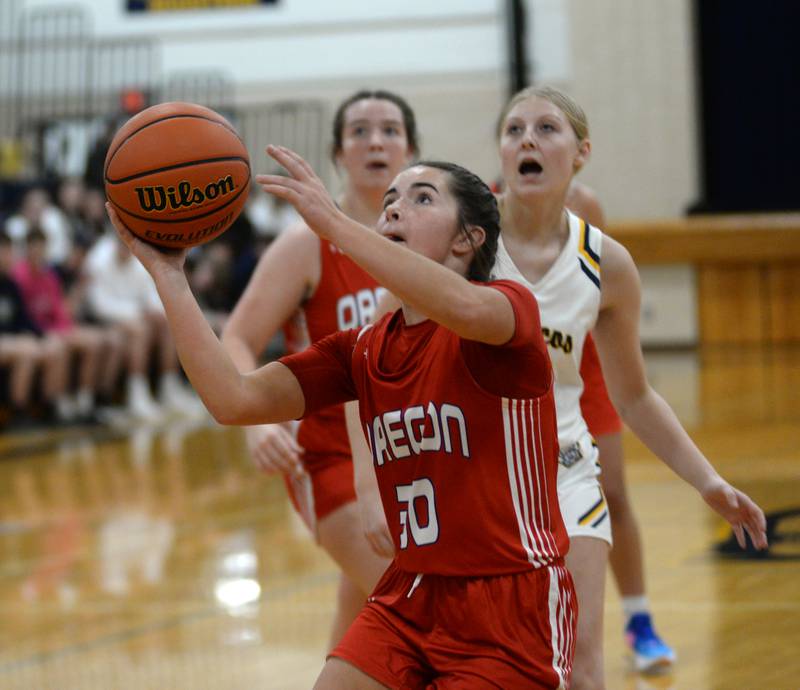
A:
(177, 174)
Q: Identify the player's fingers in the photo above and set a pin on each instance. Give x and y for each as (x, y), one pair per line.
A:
(754, 520)
(284, 447)
(757, 516)
(282, 192)
(278, 181)
(758, 532)
(116, 221)
(262, 461)
(294, 445)
(739, 532)
(289, 462)
(277, 459)
(300, 161)
(282, 155)
(757, 536)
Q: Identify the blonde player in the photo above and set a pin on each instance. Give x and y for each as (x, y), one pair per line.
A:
(649, 652)
(374, 137)
(584, 280)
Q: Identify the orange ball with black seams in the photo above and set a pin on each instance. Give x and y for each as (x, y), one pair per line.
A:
(177, 174)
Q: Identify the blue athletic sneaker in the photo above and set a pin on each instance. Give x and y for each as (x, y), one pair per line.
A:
(650, 653)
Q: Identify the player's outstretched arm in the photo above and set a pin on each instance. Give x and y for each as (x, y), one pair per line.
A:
(472, 311)
(646, 412)
(286, 272)
(269, 394)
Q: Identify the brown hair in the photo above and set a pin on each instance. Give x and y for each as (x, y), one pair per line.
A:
(409, 120)
(477, 206)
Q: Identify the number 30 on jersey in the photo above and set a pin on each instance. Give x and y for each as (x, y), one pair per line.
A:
(417, 495)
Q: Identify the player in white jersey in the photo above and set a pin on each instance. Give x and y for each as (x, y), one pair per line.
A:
(543, 142)
(649, 652)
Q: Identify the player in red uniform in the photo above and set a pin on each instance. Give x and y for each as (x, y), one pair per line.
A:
(456, 395)
(374, 137)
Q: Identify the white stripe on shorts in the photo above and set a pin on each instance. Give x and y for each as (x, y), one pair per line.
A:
(560, 625)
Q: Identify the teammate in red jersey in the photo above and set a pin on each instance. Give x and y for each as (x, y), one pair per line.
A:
(456, 395)
(374, 137)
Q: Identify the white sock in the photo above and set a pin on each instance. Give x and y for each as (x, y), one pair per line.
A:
(170, 381)
(84, 401)
(633, 605)
(138, 389)
(65, 409)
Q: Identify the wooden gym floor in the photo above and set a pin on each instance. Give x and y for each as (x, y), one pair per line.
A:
(157, 558)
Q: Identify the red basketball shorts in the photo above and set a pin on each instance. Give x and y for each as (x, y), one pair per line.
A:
(327, 485)
(508, 631)
(596, 407)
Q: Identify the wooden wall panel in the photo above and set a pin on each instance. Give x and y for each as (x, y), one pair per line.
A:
(783, 299)
(748, 283)
(732, 306)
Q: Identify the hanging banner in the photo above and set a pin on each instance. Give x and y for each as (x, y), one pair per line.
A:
(172, 5)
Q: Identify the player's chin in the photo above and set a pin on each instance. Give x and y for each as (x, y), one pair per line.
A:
(376, 180)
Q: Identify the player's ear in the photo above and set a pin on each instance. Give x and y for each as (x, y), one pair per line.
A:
(584, 151)
(468, 240)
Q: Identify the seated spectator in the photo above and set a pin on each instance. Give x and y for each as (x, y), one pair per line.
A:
(22, 348)
(37, 211)
(269, 215)
(95, 161)
(210, 274)
(99, 356)
(74, 281)
(121, 292)
(94, 213)
(71, 200)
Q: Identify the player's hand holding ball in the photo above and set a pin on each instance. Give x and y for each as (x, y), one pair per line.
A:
(176, 175)
(157, 260)
(303, 190)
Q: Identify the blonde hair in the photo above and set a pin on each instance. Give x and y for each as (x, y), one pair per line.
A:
(566, 104)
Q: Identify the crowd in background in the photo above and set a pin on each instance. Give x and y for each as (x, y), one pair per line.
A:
(83, 336)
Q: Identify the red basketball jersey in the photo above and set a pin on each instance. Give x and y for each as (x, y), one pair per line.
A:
(345, 298)
(463, 437)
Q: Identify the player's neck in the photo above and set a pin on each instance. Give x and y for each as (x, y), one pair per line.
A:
(362, 208)
(411, 316)
(538, 222)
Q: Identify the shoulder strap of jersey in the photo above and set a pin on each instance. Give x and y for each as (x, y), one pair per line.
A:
(589, 247)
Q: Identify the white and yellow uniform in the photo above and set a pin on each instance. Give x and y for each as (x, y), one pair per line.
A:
(569, 300)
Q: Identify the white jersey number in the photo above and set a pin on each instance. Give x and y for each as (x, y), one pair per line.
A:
(407, 495)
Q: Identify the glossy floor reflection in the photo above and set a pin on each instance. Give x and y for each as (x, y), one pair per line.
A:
(158, 558)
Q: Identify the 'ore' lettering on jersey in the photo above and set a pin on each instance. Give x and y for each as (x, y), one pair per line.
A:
(355, 311)
(398, 434)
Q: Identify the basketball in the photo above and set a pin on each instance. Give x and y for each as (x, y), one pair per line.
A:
(177, 174)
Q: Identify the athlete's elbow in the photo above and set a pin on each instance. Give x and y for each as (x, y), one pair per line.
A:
(226, 412)
(629, 403)
(221, 414)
